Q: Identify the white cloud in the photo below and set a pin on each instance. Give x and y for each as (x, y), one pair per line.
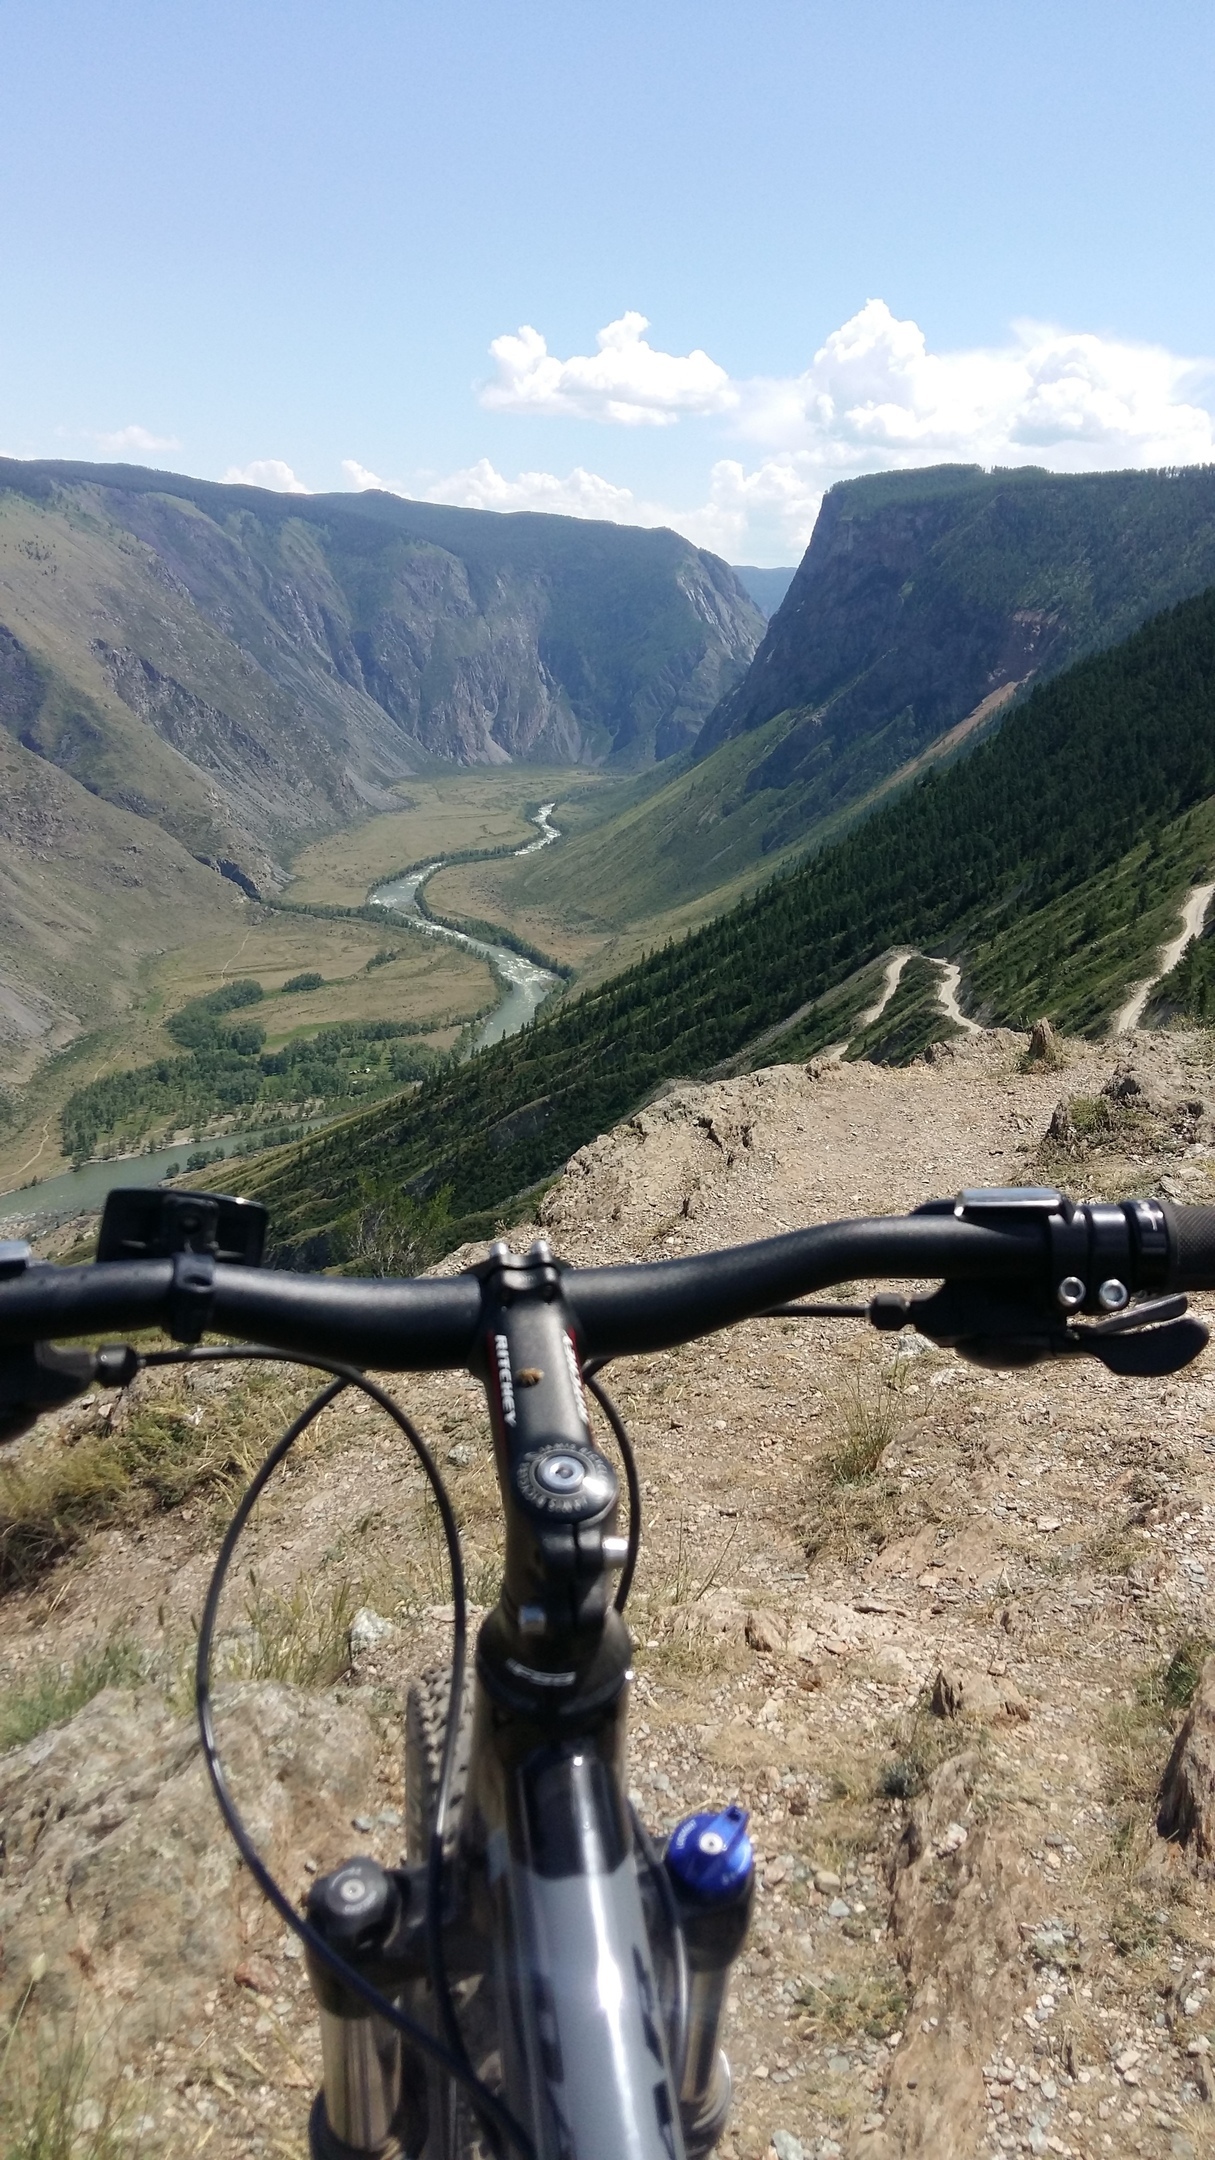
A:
(118, 440)
(580, 494)
(872, 398)
(626, 381)
(874, 392)
(267, 472)
(361, 478)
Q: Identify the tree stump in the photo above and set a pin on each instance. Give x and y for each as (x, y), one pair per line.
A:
(1043, 1044)
(1186, 1809)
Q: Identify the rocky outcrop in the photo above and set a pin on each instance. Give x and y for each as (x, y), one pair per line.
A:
(118, 1882)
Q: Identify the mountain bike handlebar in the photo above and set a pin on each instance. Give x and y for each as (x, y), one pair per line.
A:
(1013, 1274)
(1025, 1243)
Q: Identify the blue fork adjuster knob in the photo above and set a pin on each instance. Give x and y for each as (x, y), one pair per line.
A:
(711, 1857)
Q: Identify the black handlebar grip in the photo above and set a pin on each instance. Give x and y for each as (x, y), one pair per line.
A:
(1192, 1238)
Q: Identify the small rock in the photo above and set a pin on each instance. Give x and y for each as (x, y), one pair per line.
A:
(825, 1879)
(952, 1838)
(1062, 1129)
(461, 1454)
(256, 1973)
(361, 1822)
(787, 2147)
(1046, 1523)
(958, 1692)
(839, 1909)
(369, 1631)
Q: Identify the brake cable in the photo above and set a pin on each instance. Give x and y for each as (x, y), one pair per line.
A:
(590, 1374)
(496, 2119)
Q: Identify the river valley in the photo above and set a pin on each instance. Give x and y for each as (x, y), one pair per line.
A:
(523, 987)
(525, 984)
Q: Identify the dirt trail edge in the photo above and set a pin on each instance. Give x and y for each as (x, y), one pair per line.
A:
(1193, 915)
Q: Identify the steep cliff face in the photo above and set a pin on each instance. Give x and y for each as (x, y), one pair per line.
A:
(924, 600)
(922, 594)
(245, 668)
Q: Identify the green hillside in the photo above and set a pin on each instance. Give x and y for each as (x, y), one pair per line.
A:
(1050, 862)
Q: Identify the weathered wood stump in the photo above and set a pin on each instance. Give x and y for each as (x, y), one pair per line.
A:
(1186, 1809)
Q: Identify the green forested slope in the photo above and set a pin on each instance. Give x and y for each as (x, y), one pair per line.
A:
(1050, 861)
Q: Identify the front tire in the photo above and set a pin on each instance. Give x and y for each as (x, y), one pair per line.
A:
(453, 2131)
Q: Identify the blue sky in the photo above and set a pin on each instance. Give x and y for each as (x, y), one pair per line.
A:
(329, 244)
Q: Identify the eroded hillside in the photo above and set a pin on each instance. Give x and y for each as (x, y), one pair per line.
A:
(937, 1628)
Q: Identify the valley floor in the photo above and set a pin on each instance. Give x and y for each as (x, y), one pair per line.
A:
(936, 1627)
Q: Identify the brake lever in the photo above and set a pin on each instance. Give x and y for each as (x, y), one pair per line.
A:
(1145, 1340)
(41, 1378)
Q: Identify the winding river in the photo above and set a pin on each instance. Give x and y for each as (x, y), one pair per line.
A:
(524, 986)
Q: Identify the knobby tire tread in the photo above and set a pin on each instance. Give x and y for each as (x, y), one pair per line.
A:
(425, 1726)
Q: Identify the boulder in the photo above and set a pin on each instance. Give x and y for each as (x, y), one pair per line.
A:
(958, 1692)
(117, 1869)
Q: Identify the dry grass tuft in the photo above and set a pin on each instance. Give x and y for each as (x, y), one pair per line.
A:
(57, 2100)
(852, 1508)
(873, 2002)
(300, 1636)
(920, 1743)
(145, 1455)
(55, 1692)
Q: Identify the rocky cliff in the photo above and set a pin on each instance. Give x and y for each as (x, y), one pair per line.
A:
(925, 598)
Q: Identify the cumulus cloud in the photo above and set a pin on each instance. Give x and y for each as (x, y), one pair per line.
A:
(267, 472)
(117, 441)
(627, 381)
(873, 397)
(361, 478)
(580, 494)
(874, 391)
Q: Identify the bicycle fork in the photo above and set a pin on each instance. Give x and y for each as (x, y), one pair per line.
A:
(593, 2052)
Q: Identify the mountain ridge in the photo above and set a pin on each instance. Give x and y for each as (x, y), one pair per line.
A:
(922, 596)
(245, 671)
